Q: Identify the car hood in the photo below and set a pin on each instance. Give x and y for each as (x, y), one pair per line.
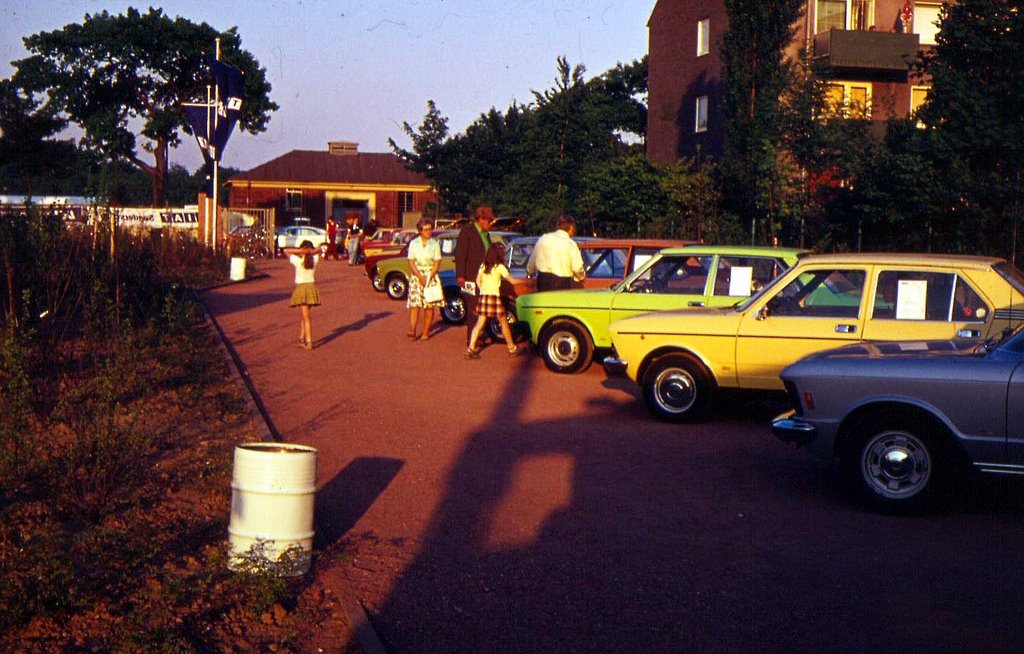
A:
(696, 320)
(567, 299)
(900, 350)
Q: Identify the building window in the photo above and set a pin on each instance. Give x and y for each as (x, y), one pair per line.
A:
(843, 15)
(918, 94)
(702, 114)
(293, 200)
(703, 37)
(849, 99)
(926, 21)
(404, 201)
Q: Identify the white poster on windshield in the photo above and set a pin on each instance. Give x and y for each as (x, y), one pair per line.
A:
(741, 280)
(911, 296)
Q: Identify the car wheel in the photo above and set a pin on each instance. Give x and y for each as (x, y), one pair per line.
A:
(494, 327)
(377, 282)
(676, 388)
(895, 465)
(567, 347)
(453, 311)
(397, 286)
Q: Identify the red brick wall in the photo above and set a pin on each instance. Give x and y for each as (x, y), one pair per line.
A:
(677, 76)
(313, 203)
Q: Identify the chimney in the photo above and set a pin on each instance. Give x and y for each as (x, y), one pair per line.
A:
(342, 148)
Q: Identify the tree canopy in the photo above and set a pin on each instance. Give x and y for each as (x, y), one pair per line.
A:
(534, 160)
(124, 77)
(976, 115)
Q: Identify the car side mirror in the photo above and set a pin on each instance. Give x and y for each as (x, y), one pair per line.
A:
(762, 313)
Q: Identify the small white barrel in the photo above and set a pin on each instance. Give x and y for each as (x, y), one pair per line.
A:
(237, 269)
(273, 489)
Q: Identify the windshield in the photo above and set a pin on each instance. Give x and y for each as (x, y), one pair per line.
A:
(1013, 341)
(639, 272)
(741, 306)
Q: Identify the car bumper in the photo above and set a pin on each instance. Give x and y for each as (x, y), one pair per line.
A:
(613, 365)
(790, 428)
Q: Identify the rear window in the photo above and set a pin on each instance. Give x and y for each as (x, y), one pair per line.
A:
(1012, 275)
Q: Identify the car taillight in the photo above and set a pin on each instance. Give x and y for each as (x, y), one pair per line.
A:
(808, 400)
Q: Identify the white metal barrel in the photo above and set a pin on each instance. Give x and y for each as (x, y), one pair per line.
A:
(273, 490)
(237, 269)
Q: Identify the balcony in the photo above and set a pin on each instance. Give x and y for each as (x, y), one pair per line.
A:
(865, 51)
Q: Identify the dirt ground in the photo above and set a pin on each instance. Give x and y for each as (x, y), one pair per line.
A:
(491, 505)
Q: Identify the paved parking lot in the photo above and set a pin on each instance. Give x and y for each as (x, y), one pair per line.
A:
(492, 506)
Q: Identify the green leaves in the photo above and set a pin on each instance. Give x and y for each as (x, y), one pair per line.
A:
(111, 73)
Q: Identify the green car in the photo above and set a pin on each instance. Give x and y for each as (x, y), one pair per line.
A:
(394, 271)
(568, 326)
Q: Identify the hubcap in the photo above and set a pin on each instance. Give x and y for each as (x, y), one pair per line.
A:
(675, 390)
(563, 349)
(397, 288)
(896, 464)
(455, 310)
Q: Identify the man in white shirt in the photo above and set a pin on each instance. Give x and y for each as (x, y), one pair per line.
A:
(556, 258)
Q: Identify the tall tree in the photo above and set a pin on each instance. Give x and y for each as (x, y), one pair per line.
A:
(429, 150)
(26, 148)
(114, 74)
(974, 108)
(756, 73)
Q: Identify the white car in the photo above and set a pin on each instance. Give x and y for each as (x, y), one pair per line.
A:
(300, 236)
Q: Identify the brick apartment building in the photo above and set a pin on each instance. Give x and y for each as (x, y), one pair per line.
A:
(339, 181)
(862, 47)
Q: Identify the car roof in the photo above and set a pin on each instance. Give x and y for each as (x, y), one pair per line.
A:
(760, 250)
(904, 258)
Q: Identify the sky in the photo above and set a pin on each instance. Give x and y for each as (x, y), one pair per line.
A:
(355, 70)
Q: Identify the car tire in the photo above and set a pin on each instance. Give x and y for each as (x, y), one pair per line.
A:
(677, 388)
(566, 347)
(396, 286)
(494, 327)
(377, 282)
(453, 311)
(897, 465)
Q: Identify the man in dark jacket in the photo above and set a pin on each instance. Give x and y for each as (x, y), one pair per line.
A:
(470, 248)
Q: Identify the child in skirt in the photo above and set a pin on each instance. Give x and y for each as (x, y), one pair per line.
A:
(489, 304)
(305, 296)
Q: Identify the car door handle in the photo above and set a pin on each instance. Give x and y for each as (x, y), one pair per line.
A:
(695, 303)
(969, 333)
(846, 329)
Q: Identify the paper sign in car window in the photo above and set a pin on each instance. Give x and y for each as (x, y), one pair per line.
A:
(740, 280)
(910, 299)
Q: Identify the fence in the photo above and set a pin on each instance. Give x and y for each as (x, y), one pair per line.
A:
(250, 231)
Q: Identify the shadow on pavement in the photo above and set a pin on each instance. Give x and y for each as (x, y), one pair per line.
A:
(228, 303)
(556, 538)
(353, 326)
(346, 497)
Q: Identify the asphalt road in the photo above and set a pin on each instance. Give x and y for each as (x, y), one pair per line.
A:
(492, 506)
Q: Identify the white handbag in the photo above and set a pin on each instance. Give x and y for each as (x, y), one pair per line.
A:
(433, 293)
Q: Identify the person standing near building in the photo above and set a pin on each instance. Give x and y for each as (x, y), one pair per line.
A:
(470, 248)
(332, 239)
(353, 242)
(556, 258)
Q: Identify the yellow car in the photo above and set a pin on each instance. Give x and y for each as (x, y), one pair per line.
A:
(681, 358)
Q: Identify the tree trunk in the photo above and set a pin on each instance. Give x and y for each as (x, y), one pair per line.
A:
(158, 174)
